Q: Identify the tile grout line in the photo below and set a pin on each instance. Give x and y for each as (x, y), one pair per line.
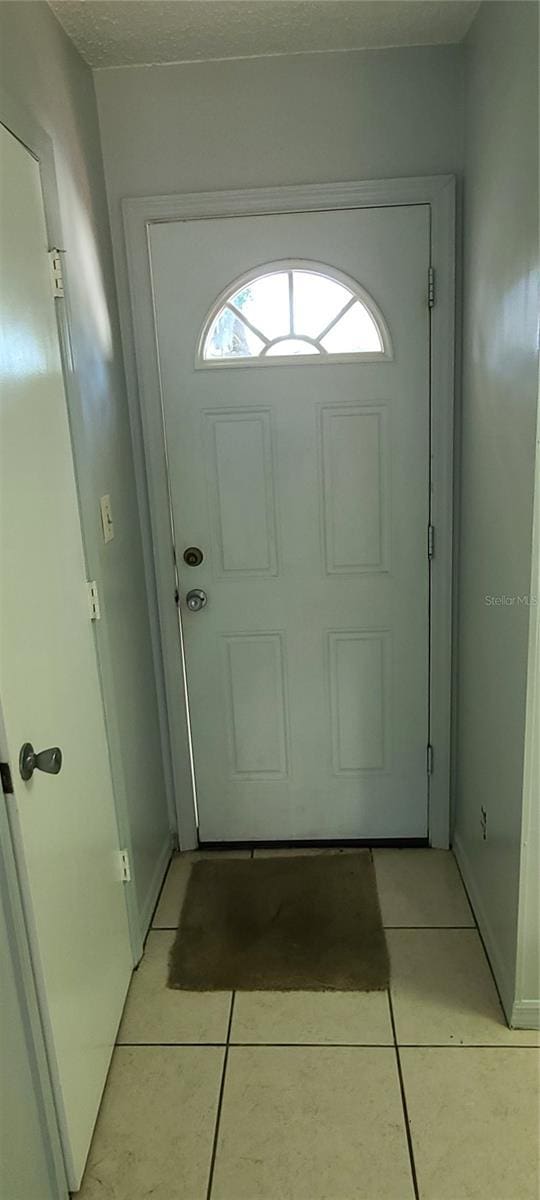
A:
(334, 1045)
(404, 1101)
(220, 1102)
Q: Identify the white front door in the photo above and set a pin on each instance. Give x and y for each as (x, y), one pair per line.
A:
(64, 824)
(294, 362)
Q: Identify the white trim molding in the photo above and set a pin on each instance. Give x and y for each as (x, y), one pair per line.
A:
(437, 191)
(525, 1014)
(499, 967)
(526, 1009)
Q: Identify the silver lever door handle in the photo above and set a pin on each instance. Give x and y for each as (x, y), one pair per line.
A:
(49, 761)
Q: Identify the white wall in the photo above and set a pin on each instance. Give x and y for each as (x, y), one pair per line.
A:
(258, 122)
(42, 71)
(497, 463)
(303, 118)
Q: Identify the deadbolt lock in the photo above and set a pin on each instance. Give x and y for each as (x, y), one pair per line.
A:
(193, 556)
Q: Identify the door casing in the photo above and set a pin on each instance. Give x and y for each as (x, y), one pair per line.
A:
(146, 410)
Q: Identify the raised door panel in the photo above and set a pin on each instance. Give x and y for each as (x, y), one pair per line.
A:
(241, 491)
(255, 699)
(359, 663)
(355, 469)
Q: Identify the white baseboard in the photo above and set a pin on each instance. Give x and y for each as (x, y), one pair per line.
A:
(526, 1014)
(503, 978)
(154, 889)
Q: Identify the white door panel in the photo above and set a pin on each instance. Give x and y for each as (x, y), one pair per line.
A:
(65, 824)
(306, 485)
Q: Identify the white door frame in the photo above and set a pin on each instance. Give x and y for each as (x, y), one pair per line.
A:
(146, 408)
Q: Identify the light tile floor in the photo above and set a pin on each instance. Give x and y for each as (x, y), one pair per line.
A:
(422, 1093)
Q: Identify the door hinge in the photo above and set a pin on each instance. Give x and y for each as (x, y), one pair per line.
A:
(93, 600)
(430, 541)
(431, 287)
(124, 869)
(57, 274)
(429, 759)
(6, 779)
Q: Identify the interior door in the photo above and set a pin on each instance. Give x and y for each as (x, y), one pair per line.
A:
(303, 477)
(64, 823)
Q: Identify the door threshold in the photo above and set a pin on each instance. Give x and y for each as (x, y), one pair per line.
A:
(320, 843)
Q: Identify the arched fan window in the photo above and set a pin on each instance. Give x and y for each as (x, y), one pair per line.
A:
(301, 311)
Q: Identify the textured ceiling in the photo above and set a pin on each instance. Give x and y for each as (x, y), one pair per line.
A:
(111, 33)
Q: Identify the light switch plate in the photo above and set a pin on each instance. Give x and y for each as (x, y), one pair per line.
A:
(106, 518)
